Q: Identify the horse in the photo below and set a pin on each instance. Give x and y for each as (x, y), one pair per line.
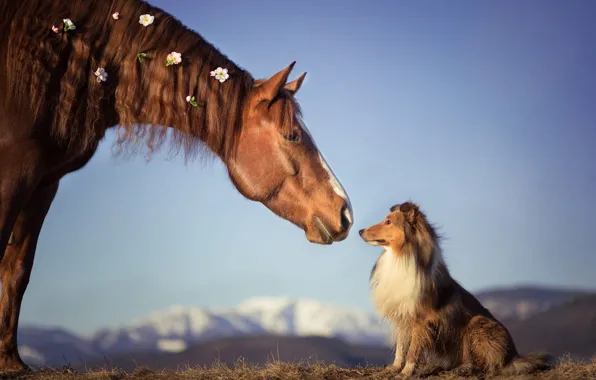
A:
(72, 69)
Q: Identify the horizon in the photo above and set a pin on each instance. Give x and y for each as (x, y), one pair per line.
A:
(482, 113)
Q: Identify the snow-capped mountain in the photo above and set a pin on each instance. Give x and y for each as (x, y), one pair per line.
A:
(175, 328)
(304, 317)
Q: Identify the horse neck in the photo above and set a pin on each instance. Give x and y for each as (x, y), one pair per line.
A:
(151, 97)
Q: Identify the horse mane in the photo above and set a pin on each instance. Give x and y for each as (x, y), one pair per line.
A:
(51, 77)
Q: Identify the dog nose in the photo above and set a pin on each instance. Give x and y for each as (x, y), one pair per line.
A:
(361, 232)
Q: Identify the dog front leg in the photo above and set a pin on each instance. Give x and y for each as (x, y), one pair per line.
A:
(420, 339)
(402, 342)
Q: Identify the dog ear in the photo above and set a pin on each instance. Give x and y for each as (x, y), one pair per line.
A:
(394, 208)
(410, 211)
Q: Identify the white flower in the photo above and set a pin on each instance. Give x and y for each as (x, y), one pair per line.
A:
(68, 24)
(54, 29)
(220, 74)
(146, 19)
(188, 98)
(116, 15)
(101, 74)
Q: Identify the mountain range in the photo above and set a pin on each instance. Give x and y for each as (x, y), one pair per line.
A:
(301, 324)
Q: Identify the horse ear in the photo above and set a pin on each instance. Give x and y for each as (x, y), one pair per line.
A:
(294, 86)
(270, 88)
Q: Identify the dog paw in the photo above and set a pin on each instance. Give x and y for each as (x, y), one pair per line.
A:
(398, 364)
(408, 370)
(465, 370)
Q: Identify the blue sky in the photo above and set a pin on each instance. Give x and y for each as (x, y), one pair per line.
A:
(482, 112)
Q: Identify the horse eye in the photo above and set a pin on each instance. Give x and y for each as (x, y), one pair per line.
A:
(387, 221)
(294, 136)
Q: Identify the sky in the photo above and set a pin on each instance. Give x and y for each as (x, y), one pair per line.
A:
(482, 112)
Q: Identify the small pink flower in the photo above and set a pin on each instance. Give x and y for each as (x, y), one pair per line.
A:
(173, 58)
(54, 29)
(116, 15)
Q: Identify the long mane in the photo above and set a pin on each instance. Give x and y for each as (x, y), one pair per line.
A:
(50, 76)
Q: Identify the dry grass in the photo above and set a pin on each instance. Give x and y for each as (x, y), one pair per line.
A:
(565, 369)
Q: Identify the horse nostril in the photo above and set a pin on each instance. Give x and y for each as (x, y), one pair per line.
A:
(346, 221)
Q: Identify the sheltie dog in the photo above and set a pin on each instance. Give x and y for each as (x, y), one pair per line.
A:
(437, 324)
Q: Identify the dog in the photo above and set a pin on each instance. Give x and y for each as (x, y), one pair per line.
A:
(437, 325)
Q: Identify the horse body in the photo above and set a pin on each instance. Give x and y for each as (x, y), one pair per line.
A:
(54, 112)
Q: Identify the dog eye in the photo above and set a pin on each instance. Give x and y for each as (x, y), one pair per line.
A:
(294, 136)
(387, 221)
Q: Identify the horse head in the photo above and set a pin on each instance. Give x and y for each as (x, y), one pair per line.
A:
(276, 162)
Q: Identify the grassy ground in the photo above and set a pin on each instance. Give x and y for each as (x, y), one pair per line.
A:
(566, 369)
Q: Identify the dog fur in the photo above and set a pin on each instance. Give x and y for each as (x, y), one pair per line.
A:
(437, 324)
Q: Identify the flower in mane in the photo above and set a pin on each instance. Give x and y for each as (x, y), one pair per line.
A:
(146, 19)
(68, 24)
(55, 29)
(191, 100)
(220, 74)
(101, 75)
(116, 15)
(141, 56)
(173, 58)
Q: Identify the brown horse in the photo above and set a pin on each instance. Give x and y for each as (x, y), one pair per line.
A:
(56, 103)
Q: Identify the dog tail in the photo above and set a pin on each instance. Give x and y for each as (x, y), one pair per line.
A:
(525, 364)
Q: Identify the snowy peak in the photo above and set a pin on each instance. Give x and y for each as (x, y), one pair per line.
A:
(180, 326)
(309, 317)
(174, 327)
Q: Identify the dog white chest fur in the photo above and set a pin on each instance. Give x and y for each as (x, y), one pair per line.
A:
(397, 286)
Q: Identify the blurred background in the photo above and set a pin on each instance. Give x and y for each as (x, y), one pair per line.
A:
(481, 112)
